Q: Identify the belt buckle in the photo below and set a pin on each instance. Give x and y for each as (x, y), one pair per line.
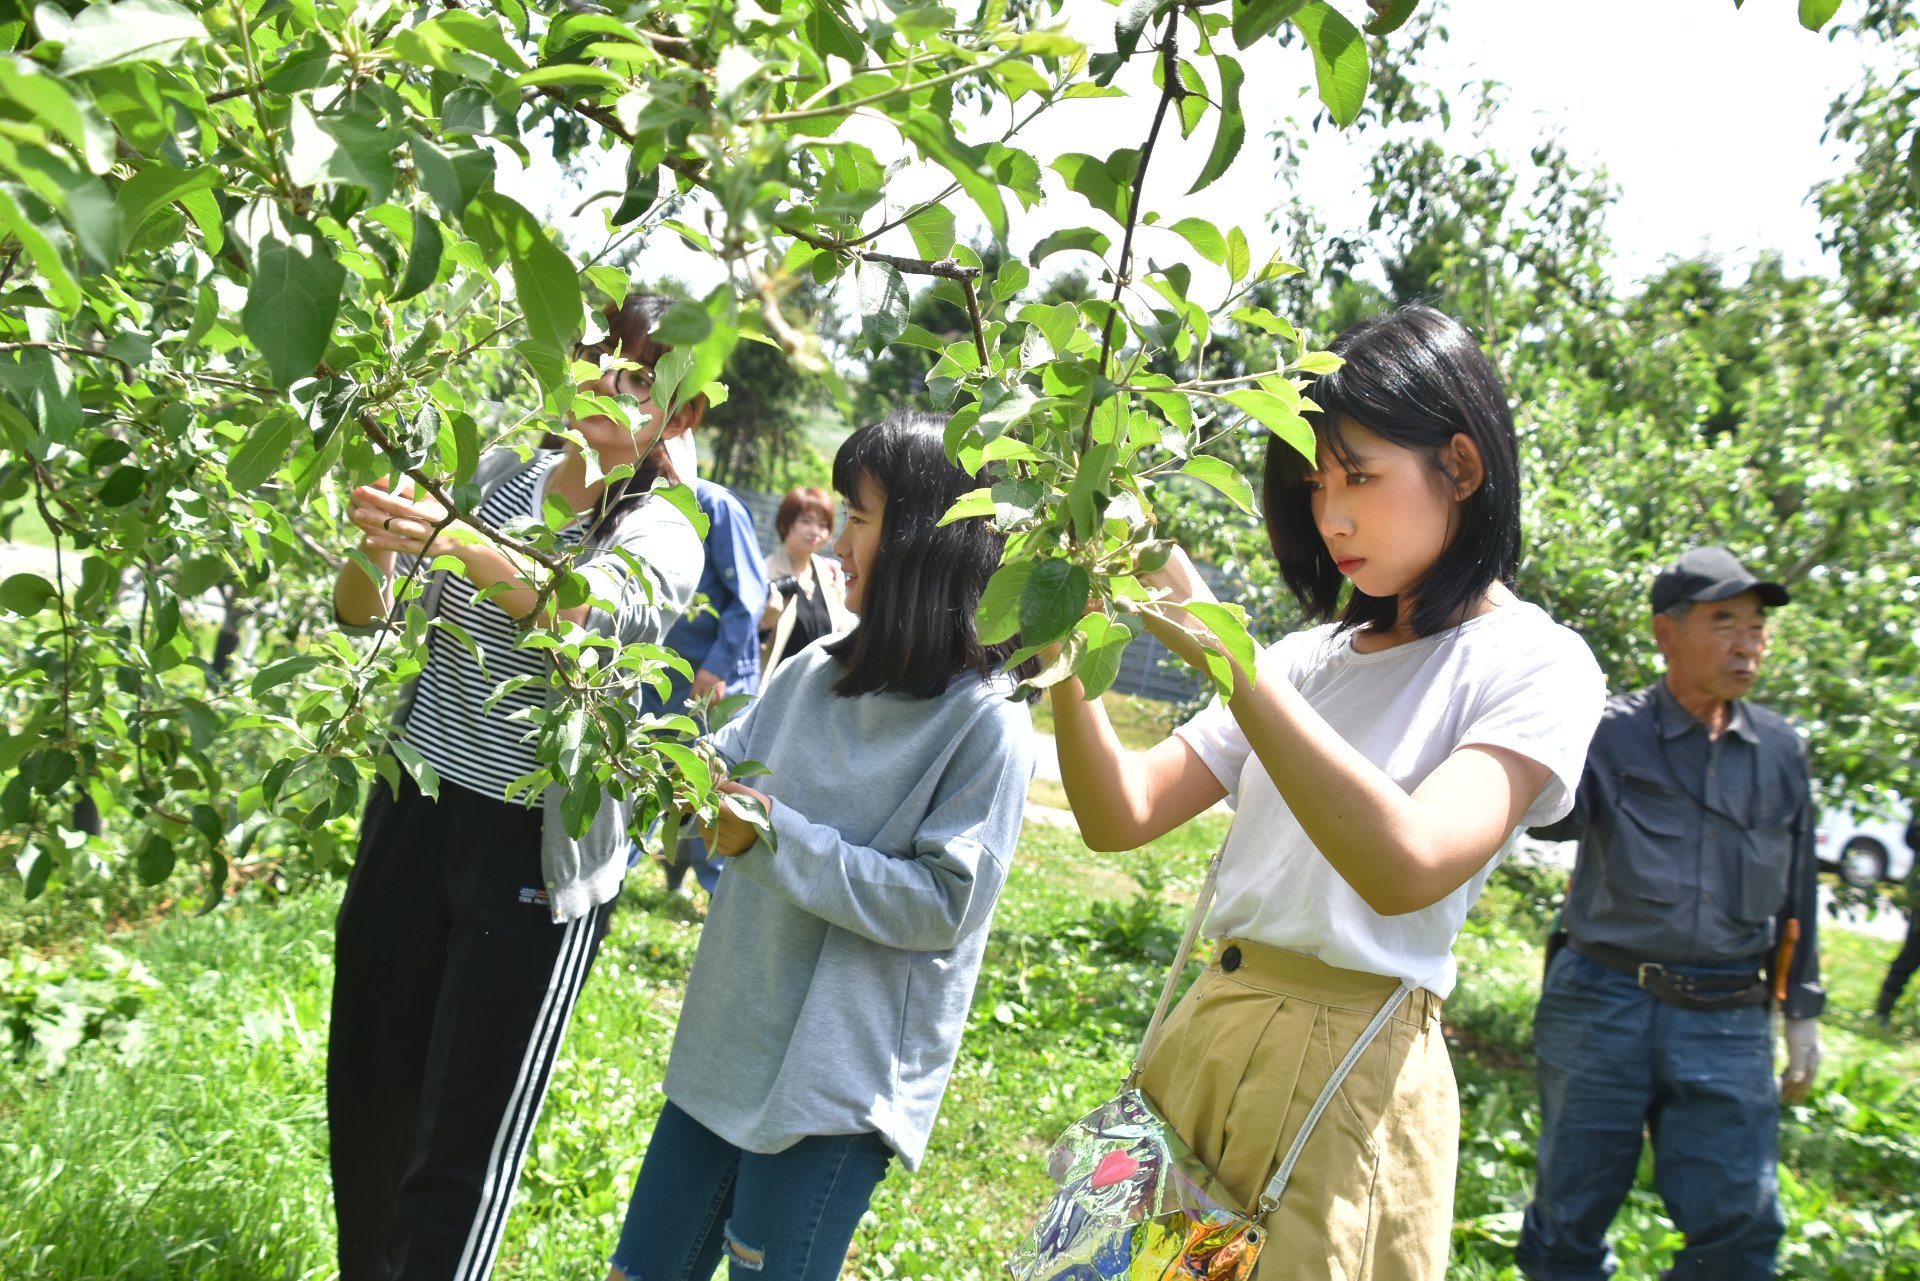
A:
(1649, 969)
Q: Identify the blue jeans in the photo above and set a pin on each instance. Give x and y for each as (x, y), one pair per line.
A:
(1614, 1060)
(788, 1216)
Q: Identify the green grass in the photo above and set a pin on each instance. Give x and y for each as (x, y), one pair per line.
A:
(26, 527)
(1139, 722)
(197, 1148)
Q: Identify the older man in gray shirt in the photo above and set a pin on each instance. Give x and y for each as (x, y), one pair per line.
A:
(1691, 910)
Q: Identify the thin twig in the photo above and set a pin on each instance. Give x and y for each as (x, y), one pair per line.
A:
(1170, 88)
(874, 99)
(973, 318)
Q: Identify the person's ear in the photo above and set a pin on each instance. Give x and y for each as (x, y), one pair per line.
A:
(1465, 467)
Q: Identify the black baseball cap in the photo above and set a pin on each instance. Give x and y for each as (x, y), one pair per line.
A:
(1709, 573)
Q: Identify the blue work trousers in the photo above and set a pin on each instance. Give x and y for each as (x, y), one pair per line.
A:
(1614, 1060)
(782, 1216)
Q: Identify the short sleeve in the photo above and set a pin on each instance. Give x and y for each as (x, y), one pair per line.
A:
(1215, 736)
(1542, 700)
(1217, 740)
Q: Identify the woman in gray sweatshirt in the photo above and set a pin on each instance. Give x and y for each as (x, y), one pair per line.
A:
(824, 1011)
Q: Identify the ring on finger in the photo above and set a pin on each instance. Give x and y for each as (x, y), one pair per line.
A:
(386, 522)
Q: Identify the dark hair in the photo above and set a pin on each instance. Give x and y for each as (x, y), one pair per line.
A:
(807, 500)
(916, 631)
(1415, 378)
(630, 329)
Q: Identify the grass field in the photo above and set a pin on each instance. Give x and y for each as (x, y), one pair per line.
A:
(187, 1139)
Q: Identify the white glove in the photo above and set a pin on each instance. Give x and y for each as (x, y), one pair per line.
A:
(1802, 1037)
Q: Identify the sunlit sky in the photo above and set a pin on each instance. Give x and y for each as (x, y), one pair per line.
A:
(1707, 119)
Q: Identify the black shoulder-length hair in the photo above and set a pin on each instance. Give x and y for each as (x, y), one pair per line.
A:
(1415, 378)
(916, 631)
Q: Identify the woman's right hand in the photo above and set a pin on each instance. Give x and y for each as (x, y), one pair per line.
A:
(733, 834)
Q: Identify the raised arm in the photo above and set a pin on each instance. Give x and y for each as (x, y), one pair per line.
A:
(1123, 798)
(1399, 851)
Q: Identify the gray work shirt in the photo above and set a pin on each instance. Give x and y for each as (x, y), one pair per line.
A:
(1695, 850)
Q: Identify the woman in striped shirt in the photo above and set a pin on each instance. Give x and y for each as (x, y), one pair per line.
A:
(471, 917)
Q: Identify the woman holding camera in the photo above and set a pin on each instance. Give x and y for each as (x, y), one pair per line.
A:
(808, 593)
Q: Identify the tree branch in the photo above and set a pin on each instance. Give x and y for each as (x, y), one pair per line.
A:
(1170, 88)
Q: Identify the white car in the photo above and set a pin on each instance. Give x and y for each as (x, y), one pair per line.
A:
(1865, 849)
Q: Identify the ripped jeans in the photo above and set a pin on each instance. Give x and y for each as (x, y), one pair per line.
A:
(788, 1216)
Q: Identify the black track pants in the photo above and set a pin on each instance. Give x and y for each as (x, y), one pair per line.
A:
(451, 993)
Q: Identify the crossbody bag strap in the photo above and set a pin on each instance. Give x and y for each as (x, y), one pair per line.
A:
(1271, 1197)
(1180, 959)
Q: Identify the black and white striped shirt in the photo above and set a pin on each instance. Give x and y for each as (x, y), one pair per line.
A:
(482, 751)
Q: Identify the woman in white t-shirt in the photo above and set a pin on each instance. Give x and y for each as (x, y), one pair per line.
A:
(1377, 765)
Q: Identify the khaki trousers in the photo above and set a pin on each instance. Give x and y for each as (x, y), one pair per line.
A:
(1239, 1063)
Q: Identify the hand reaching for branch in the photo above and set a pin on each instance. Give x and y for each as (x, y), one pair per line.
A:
(1174, 584)
(396, 522)
(736, 832)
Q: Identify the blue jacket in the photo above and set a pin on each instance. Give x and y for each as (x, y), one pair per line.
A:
(724, 636)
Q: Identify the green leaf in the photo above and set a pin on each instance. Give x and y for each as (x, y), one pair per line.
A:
(423, 259)
(452, 175)
(1239, 257)
(932, 231)
(286, 669)
(1340, 62)
(49, 103)
(1229, 624)
(106, 35)
(545, 282)
(417, 765)
(683, 501)
(1133, 19)
(1091, 179)
(26, 594)
(1233, 124)
(48, 260)
(977, 502)
(1815, 14)
(291, 305)
(1393, 15)
(156, 858)
(1204, 237)
(883, 303)
(263, 451)
(1277, 417)
(1094, 242)
(1255, 20)
(153, 187)
(1224, 477)
(998, 617)
(1106, 646)
(468, 30)
(1054, 598)
(339, 148)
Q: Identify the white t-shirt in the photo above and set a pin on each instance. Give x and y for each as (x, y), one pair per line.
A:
(1510, 678)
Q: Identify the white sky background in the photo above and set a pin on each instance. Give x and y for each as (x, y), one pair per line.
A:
(1707, 120)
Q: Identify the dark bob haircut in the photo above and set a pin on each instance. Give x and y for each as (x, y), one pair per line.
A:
(1415, 378)
(916, 631)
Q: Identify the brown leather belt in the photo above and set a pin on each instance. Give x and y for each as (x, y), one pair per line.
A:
(1686, 991)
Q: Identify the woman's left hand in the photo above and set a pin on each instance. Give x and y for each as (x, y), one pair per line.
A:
(393, 522)
(1178, 583)
(733, 834)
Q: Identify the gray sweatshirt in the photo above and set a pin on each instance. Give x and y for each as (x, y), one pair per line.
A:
(835, 973)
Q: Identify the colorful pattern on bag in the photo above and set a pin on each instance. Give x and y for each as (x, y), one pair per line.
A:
(1134, 1204)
